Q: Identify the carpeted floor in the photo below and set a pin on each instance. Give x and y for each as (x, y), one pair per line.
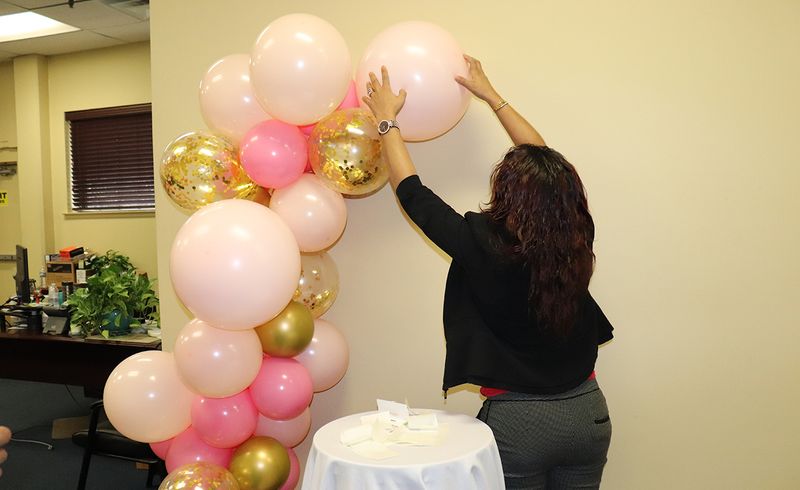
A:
(29, 409)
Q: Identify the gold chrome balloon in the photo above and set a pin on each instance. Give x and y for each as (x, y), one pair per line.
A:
(261, 463)
(199, 168)
(319, 283)
(200, 476)
(345, 151)
(289, 333)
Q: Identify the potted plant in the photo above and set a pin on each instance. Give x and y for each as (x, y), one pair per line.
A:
(115, 299)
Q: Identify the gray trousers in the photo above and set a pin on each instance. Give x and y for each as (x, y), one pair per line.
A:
(551, 441)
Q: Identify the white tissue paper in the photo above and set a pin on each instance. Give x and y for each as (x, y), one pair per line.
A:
(394, 423)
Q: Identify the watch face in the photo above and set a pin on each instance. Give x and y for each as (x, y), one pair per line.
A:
(383, 127)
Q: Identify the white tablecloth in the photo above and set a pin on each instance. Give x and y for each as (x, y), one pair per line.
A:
(466, 459)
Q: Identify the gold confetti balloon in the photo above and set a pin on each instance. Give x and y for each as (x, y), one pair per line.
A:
(319, 283)
(200, 476)
(199, 168)
(344, 149)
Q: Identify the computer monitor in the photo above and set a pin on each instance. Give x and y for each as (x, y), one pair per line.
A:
(21, 277)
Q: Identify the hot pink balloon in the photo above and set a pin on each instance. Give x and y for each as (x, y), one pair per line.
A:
(216, 362)
(423, 59)
(290, 432)
(161, 448)
(294, 471)
(273, 153)
(282, 389)
(315, 213)
(225, 422)
(227, 101)
(143, 389)
(188, 447)
(350, 100)
(300, 68)
(235, 264)
(327, 356)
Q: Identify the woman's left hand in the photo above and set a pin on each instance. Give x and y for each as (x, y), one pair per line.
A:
(383, 103)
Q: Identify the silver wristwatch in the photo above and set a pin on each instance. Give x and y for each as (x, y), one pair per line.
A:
(385, 125)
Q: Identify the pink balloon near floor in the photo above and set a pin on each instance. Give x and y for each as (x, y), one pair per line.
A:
(227, 101)
(189, 447)
(327, 356)
(215, 362)
(273, 153)
(294, 471)
(235, 264)
(225, 422)
(423, 59)
(316, 214)
(145, 398)
(282, 389)
(290, 432)
(300, 68)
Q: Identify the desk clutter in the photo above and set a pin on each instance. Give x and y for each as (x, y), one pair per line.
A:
(394, 423)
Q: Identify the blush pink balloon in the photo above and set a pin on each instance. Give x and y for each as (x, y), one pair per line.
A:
(290, 432)
(227, 101)
(225, 422)
(350, 100)
(282, 389)
(315, 213)
(145, 398)
(294, 471)
(215, 362)
(161, 448)
(423, 59)
(327, 356)
(235, 264)
(188, 447)
(273, 153)
(300, 68)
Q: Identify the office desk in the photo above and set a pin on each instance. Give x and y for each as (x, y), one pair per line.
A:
(33, 356)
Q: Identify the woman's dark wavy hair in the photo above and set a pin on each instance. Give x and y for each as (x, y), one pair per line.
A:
(540, 200)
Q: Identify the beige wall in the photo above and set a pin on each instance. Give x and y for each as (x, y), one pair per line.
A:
(9, 215)
(681, 117)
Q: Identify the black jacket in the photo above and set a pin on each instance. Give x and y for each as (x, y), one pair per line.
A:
(491, 339)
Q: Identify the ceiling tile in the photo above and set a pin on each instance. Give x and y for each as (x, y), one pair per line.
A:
(34, 4)
(6, 56)
(88, 15)
(60, 43)
(7, 8)
(130, 33)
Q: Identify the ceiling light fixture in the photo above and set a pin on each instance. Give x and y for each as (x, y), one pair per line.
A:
(26, 25)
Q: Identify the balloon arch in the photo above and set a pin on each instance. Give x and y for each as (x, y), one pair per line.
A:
(287, 140)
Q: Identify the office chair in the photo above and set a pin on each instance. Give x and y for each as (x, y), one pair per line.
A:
(101, 438)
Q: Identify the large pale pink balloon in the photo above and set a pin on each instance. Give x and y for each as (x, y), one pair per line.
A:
(273, 153)
(145, 398)
(189, 447)
(350, 101)
(290, 432)
(327, 356)
(235, 264)
(315, 213)
(282, 389)
(216, 362)
(225, 422)
(294, 471)
(423, 59)
(227, 101)
(300, 68)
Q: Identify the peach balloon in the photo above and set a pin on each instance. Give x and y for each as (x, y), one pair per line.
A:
(145, 398)
(327, 356)
(235, 264)
(215, 362)
(315, 214)
(423, 59)
(290, 432)
(227, 101)
(300, 68)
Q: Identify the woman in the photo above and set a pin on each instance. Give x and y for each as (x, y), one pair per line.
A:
(518, 317)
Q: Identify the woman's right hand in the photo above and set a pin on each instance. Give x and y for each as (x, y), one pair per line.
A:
(478, 83)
